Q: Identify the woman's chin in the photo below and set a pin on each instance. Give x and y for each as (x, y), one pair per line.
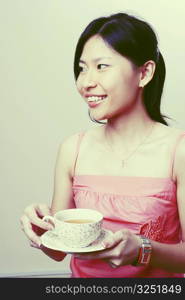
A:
(98, 117)
(103, 120)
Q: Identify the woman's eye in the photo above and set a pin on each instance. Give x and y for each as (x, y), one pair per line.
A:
(81, 69)
(102, 66)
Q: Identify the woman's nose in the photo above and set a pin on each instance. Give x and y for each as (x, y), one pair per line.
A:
(89, 81)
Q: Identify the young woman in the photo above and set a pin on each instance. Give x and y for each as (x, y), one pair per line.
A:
(131, 167)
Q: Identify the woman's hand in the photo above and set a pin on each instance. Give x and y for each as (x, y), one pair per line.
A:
(121, 248)
(32, 223)
(33, 226)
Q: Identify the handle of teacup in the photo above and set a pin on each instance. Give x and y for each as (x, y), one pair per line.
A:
(49, 219)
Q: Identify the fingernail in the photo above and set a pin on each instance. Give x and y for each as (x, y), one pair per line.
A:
(49, 226)
(103, 244)
(38, 243)
(106, 243)
(35, 244)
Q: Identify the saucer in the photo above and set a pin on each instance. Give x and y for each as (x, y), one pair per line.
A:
(51, 240)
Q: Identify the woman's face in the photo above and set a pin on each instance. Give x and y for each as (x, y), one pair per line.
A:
(108, 82)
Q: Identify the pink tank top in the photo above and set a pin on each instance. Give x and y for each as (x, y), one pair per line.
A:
(144, 205)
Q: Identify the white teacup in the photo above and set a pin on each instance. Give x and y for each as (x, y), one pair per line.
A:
(77, 227)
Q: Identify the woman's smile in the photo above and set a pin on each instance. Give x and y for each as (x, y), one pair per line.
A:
(95, 100)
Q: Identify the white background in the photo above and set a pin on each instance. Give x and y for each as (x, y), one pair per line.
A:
(40, 105)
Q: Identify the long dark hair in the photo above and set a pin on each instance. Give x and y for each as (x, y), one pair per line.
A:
(135, 39)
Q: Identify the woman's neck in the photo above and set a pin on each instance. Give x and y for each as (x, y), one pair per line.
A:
(127, 131)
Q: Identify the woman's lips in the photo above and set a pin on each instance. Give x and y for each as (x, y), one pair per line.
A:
(93, 104)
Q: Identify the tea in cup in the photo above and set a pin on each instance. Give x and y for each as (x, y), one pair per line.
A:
(77, 227)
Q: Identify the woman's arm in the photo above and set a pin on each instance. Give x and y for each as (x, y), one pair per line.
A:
(169, 257)
(62, 194)
(172, 257)
(31, 221)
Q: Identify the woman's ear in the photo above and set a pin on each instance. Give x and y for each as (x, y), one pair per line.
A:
(147, 73)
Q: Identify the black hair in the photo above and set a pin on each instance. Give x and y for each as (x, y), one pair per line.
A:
(134, 39)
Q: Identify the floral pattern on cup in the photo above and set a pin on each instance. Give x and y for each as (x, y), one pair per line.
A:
(73, 234)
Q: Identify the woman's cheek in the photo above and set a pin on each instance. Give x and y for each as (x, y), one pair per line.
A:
(79, 86)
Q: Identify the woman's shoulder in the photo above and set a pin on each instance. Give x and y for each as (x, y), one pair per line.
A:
(177, 136)
(169, 131)
(179, 158)
(72, 140)
(180, 149)
(176, 131)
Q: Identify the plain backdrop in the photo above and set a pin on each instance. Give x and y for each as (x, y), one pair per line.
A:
(40, 105)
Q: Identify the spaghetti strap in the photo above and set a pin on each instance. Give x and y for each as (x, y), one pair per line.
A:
(174, 152)
(80, 136)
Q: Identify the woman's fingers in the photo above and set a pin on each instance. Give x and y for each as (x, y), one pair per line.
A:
(114, 239)
(112, 248)
(42, 210)
(103, 254)
(35, 214)
(120, 249)
(32, 244)
(114, 263)
(27, 228)
(32, 224)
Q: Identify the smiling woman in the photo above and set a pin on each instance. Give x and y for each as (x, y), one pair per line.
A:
(114, 80)
(123, 36)
(131, 168)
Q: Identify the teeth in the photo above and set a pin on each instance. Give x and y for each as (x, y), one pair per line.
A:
(95, 98)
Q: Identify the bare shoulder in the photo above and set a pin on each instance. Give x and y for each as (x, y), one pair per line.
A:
(69, 142)
(94, 135)
(168, 130)
(68, 147)
(179, 163)
(66, 153)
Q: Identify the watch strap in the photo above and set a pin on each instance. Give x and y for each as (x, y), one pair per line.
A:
(145, 251)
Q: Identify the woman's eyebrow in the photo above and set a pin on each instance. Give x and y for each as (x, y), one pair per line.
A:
(95, 59)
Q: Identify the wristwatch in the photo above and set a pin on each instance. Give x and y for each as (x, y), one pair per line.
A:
(144, 252)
